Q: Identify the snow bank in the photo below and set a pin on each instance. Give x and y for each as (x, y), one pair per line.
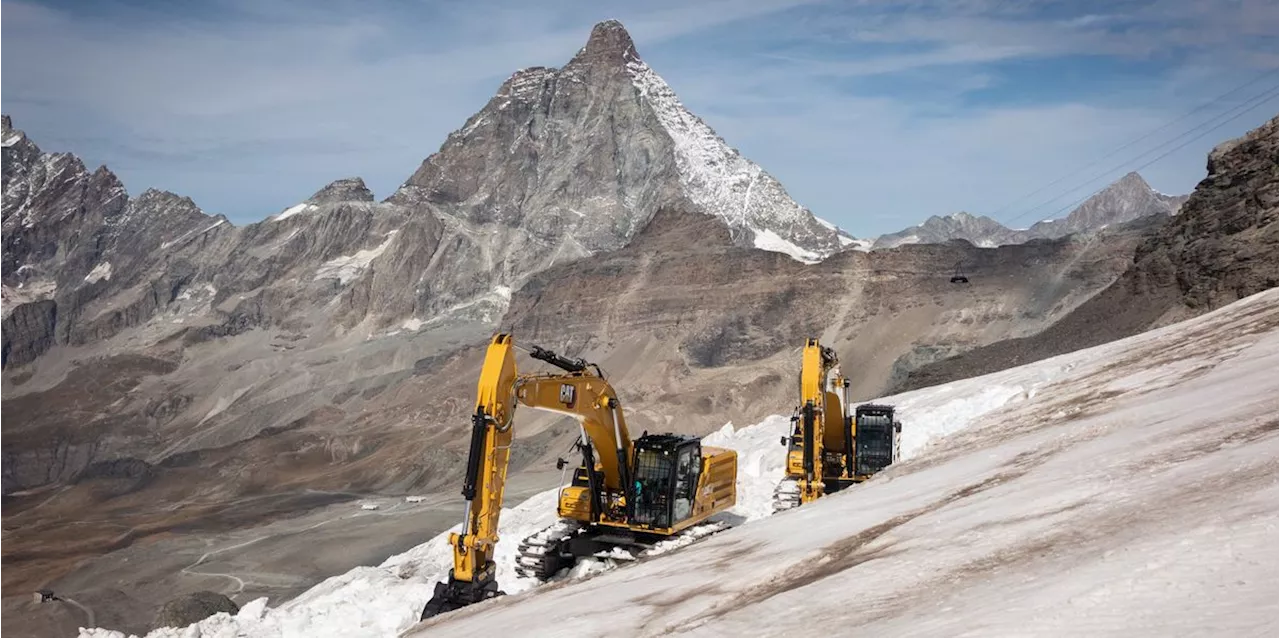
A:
(761, 462)
(933, 413)
(385, 600)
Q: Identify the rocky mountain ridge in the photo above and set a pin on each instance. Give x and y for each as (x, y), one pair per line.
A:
(1125, 200)
(560, 164)
(1221, 247)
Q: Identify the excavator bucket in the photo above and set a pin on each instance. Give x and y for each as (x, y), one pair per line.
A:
(452, 594)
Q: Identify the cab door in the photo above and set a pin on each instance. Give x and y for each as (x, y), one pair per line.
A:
(688, 470)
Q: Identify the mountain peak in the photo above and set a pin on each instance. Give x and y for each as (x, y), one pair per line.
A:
(347, 189)
(9, 135)
(583, 155)
(165, 199)
(1131, 179)
(609, 44)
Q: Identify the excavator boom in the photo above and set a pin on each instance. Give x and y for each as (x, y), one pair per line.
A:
(473, 576)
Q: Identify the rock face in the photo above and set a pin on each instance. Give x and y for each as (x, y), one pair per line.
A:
(1126, 200)
(1220, 248)
(1223, 246)
(192, 608)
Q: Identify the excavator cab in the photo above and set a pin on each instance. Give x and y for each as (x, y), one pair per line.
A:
(876, 441)
(667, 468)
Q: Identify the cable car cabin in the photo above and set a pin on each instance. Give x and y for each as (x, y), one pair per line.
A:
(875, 440)
(959, 279)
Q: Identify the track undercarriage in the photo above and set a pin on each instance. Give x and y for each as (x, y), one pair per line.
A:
(563, 544)
(786, 495)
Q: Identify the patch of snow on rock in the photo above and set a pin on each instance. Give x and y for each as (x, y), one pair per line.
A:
(861, 245)
(294, 210)
(348, 267)
(99, 272)
(768, 240)
(192, 234)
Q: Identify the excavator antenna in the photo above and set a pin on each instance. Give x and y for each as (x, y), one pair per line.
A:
(958, 277)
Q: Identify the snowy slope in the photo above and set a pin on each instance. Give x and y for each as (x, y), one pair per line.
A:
(1128, 489)
(1125, 490)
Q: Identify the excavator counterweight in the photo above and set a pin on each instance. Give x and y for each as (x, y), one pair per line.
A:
(627, 493)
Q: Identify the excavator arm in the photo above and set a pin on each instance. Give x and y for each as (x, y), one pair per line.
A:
(473, 576)
(822, 429)
(814, 363)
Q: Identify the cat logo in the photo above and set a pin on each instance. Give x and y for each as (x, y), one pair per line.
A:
(567, 394)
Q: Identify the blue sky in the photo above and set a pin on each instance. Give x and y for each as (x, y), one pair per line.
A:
(874, 115)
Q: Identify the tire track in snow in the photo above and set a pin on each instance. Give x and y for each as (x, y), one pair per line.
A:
(844, 554)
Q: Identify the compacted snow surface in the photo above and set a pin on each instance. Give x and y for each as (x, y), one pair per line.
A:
(1129, 490)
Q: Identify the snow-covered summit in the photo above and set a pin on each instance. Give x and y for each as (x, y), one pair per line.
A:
(723, 183)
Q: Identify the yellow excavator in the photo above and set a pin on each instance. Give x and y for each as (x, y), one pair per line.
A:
(830, 449)
(626, 494)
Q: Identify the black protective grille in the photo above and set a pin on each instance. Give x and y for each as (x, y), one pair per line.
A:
(874, 440)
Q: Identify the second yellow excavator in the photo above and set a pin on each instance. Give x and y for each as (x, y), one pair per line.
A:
(626, 494)
(830, 449)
